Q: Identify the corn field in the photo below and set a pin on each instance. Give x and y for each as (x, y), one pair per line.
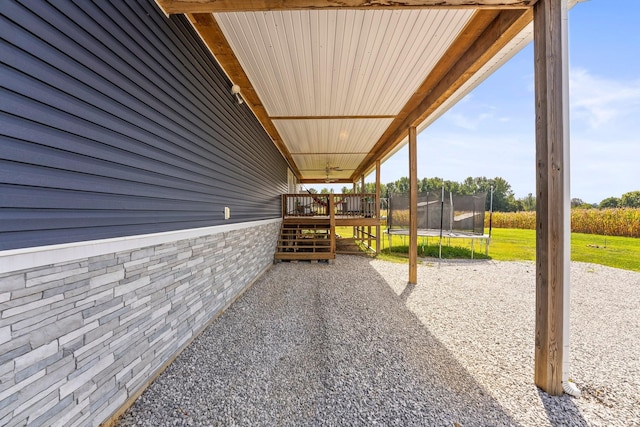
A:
(607, 222)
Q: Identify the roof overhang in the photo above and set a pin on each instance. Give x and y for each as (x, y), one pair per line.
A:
(220, 6)
(337, 85)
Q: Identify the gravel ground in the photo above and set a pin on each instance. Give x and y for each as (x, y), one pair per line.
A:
(352, 344)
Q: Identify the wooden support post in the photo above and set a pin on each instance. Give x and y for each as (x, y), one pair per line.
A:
(283, 203)
(413, 206)
(355, 191)
(332, 224)
(362, 208)
(378, 206)
(551, 191)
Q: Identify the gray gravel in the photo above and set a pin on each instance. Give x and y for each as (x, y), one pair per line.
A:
(352, 344)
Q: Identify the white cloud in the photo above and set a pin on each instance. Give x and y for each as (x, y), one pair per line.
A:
(468, 122)
(598, 101)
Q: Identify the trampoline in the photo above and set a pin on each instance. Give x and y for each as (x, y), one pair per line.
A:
(443, 215)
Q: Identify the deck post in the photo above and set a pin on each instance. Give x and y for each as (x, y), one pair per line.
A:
(413, 206)
(355, 191)
(552, 188)
(362, 207)
(332, 224)
(378, 206)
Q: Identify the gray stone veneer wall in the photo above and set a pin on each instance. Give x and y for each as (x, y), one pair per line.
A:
(79, 338)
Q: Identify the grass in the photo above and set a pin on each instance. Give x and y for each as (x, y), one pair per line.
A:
(516, 244)
(619, 252)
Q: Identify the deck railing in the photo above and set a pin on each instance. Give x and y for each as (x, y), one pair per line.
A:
(362, 205)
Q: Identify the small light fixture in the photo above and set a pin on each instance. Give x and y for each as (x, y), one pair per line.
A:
(235, 90)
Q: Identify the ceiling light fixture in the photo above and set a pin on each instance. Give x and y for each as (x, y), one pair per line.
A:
(235, 90)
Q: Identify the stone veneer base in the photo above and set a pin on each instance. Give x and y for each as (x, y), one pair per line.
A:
(80, 339)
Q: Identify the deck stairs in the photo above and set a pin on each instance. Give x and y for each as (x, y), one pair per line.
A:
(305, 239)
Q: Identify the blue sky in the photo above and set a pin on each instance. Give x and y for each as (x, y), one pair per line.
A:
(491, 131)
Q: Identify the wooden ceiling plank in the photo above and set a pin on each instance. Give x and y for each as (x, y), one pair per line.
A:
(219, 6)
(487, 33)
(210, 32)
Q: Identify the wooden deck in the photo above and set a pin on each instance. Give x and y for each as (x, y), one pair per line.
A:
(309, 224)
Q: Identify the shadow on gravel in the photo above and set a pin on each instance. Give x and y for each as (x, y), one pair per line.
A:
(561, 410)
(314, 344)
(406, 292)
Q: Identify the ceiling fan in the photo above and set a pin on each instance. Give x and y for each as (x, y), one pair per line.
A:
(328, 169)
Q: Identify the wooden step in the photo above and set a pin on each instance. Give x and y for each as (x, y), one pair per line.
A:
(305, 238)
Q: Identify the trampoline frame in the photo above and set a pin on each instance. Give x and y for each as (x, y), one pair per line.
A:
(450, 234)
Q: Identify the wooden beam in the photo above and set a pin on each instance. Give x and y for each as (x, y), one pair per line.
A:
(413, 206)
(324, 181)
(550, 192)
(213, 6)
(213, 37)
(483, 37)
(342, 153)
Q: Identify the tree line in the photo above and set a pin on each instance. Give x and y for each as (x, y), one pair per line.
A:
(503, 198)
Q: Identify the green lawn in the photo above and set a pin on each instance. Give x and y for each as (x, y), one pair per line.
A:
(514, 244)
(619, 252)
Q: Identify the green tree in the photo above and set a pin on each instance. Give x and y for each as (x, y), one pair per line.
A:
(576, 202)
(528, 203)
(609, 202)
(402, 185)
(630, 199)
(581, 204)
(391, 188)
(503, 198)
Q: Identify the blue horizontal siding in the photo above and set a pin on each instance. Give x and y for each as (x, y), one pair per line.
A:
(115, 121)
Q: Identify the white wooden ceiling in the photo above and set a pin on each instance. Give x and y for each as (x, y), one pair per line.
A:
(341, 70)
(337, 84)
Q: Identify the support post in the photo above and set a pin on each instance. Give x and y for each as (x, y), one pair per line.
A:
(355, 191)
(362, 208)
(413, 206)
(332, 224)
(378, 206)
(552, 191)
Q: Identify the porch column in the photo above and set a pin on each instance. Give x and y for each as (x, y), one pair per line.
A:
(413, 206)
(362, 208)
(378, 206)
(355, 229)
(552, 188)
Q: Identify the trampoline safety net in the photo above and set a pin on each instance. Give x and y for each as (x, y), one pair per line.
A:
(455, 214)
